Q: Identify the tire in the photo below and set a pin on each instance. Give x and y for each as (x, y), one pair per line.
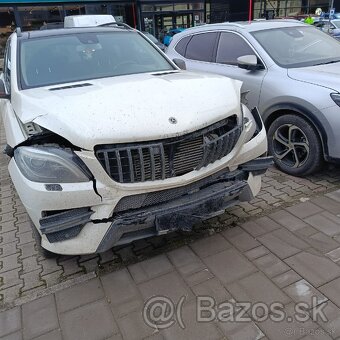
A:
(42, 251)
(295, 145)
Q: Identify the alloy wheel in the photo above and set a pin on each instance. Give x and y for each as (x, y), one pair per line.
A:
(291, 146)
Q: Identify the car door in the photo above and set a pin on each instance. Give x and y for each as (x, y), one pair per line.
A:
(230, 47)
(218, 53)
(198, 50)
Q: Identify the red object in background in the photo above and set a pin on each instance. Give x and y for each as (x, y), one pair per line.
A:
(134, 16)
(250, 9)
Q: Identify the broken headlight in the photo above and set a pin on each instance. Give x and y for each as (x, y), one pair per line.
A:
(51, 165)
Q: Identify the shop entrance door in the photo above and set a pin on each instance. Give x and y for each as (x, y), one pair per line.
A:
(184, 20)
(166, 22)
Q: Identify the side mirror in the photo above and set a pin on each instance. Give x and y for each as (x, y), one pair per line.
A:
(248, 62)
(3, 94)
(180, 63)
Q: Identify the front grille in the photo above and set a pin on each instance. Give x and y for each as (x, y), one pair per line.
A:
(158, 160)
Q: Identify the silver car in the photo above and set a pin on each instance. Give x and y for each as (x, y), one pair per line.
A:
(292, 73)
(331, 27)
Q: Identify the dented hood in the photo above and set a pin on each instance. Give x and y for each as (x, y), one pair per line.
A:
(130, 108)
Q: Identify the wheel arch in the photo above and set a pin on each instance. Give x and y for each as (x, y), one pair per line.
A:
(278, 110)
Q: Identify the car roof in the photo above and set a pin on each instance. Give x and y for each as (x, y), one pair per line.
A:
(256, 25)
(65, 31)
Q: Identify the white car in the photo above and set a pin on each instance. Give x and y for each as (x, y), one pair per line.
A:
(110, 141)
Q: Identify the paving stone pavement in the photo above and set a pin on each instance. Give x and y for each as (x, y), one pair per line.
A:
(288, 258)
(25, 273)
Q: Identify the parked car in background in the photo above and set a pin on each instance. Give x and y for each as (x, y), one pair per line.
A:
(292, 73)
(154, 40)
(110, 141)
(326, 16)
(168, 36)
(331, 27)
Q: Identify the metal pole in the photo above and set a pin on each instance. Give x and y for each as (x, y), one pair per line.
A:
(250, 10)
(329, 16)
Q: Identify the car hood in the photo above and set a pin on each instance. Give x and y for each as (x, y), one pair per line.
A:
(327, 75)
(130, 108)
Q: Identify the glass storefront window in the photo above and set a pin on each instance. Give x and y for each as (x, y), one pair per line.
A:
(96, 9)
(147, 8)
(74, 10)
(34, 17)
(6, 18)
(197, 6)
(289, 8)
(7, 24)
(159, 19)
(164, 8)
(182, 7)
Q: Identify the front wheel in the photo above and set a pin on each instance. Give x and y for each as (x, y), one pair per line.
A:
(295, 145)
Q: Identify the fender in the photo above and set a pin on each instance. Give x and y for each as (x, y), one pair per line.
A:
(275, 111)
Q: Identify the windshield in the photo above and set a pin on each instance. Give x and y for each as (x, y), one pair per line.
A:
(292, 47)
(84, 56)
(151, 37)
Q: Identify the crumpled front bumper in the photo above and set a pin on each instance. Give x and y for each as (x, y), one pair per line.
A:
(181, 214)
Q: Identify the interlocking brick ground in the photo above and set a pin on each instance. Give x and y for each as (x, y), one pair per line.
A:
(24, 273)
(285, 257)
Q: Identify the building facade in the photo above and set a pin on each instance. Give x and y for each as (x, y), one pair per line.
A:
(154, 16)
(291, 8)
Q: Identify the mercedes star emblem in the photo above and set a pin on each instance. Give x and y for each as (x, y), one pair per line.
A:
(173, 120)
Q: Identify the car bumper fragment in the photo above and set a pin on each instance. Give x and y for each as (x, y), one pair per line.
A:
(179, 214)
(258, 166)
(64, 225)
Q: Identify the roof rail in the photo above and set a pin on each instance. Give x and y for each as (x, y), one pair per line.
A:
(119, 24)
(18, 32)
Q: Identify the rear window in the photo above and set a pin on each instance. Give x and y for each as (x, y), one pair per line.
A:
(181, 46)
(201, 47)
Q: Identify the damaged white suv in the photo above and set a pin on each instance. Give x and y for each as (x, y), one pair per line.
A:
(110, 141)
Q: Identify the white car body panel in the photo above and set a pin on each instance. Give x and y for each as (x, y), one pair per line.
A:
(122, 109)
(74, 113)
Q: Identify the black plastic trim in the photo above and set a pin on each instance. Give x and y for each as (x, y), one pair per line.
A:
(65, 220)
(258, 166)
(178, 214)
